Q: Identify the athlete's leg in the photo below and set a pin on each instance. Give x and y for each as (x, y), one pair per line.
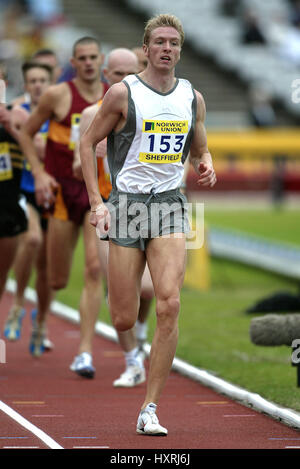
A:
(91, 297)
(39, 341)
(8, 249)
(103, 247)
(125, 269)
(166, 257)
(43, 289)
(61, 241)
(127, 339)
(29, 245)
(147, 295)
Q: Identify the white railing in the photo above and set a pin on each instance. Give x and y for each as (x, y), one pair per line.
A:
(280, 258)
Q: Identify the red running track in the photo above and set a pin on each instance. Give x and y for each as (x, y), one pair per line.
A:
(81, 413)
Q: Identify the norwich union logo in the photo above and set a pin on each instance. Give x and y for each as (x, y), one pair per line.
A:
(149, 126)
(166, 127)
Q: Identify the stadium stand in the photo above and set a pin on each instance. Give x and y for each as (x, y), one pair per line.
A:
(245, 86)
(275, 63)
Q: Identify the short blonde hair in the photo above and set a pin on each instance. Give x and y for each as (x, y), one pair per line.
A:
(163, 20)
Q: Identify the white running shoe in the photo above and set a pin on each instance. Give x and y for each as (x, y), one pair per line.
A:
(148, 423)
(48, 345)
(132, 376)
(83, 366)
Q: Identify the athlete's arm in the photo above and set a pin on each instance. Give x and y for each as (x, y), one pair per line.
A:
(45, 184)
(86, 118)
(111, 111)
(5, 119)
(200, 156)
(19, 116)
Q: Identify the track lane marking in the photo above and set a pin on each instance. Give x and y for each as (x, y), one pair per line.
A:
(90, 447)
(52, 444)
(20, 447)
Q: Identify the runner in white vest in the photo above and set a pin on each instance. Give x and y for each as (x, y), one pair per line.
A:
(161, 125)
(153, 121)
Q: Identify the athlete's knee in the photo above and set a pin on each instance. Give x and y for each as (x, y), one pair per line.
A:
(57, 282)
(168, 305)
(33, 240)
(93, 269)
(167, 311)
(122, 322)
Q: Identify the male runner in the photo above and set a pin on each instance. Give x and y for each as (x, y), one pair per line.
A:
(42, 56)
(13, 219)
(153, 121)
(32, 248)
(57, 187)
(120, 63)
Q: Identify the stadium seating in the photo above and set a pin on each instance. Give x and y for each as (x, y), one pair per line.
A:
(276, 64)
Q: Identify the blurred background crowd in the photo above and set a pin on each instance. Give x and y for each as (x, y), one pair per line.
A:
(243, 55)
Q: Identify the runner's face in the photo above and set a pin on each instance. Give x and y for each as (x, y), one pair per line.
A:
(36, 83)
(87, 61)
(163, 50)
(51, 60)
(119, 70)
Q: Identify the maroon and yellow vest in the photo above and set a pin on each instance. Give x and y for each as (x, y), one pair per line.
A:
(63, 135)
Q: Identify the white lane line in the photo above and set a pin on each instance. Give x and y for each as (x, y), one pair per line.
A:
(292, 447)
(47, 415)
(20, 447)
(29, 426)
(90, 447)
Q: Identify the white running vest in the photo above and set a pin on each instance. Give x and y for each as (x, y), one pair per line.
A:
(161, 139)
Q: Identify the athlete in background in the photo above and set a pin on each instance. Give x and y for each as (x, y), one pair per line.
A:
(57, 186)
(32, 248)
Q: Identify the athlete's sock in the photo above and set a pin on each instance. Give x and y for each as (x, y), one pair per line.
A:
(132, 358)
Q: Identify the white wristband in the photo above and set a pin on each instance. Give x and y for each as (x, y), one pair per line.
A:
(97, 208)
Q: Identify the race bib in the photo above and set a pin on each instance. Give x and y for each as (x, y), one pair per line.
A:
(6, 171)
(75, 132)
(163, 141)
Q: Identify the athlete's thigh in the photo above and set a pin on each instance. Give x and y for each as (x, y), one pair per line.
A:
(103, 247)
(125, 269)
(61, 241)
(166, 258)
(147, 290)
